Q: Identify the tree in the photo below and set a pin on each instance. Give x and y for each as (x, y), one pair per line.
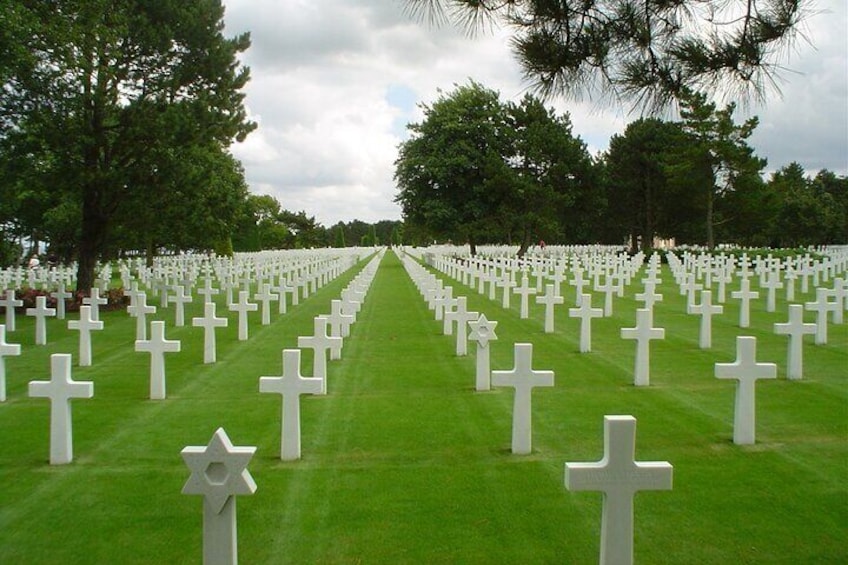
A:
(834, 188)
(643, 51)
(808, 214)
(445, 170)
(638, 184)
(480, 168)
(340, 237)
(549, 173)
(95, 90)
(717, 158)
(198, 191)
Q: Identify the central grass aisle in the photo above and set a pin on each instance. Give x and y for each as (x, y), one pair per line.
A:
(404, 462)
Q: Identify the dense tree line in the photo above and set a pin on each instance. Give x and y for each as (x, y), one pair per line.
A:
(478, 169)
(115, 123)
(263, 223)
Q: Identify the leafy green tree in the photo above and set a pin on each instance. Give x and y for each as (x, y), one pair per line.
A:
(94, 89)
(808, 214)
(638, 203)
(548, 176)
(340, 237)
(196, 192)
(643, 51)
(717, 158)
(453, 163)
(479, 168)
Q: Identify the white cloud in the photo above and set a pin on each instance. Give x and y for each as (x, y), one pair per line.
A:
(334, 82)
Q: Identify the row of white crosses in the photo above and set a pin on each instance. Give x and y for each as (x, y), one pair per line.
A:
(522, 377)
(219, 469)
(617, 475)
(60, 389)
(686, 277)
(745, 370)
(292, 384)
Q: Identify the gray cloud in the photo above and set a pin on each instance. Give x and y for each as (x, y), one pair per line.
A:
(334, 83)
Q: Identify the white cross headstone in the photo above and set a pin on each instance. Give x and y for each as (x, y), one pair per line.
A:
(140, 310)
(60, 295)
(443, 299)
(207, 291)
(180, 298)
(243, 306)
(290, 385)
(795, 328)
(157, 346)
(41, 313)
(10, 303)
(524, 291)
(85, 325)
(219, 472)
(578, 282)
(209, 322)
(619, 476)
(60, 389)
(608, 288)
(745, 295)
(283, 289)
(643, 333)
(319, 343)
(688, 287)
(265, 298)
(6, 349)
(746, 371)
(461, 316)
(771, 283)
(649, 296)
(506, 283)
(840, 293)
(585, 312)
(95, 301)
(483, 331)
(523, 379)
(706, 310)
(549, 299)
(821, 306)
(339, 321)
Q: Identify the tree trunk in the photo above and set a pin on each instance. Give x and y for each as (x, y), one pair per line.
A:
(472, 245)
(710, 234)
(91, 241)
(650, 227)
(525, 243)
(150, 252)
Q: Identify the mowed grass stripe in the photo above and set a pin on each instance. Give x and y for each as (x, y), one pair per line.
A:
(411, 465)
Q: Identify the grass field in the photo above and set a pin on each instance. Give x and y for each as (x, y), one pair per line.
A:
(403, 462)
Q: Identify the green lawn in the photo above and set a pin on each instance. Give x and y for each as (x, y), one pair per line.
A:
(403, 462)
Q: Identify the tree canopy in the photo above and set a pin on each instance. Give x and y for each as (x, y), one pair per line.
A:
(108, 108)
(477, 168)
(642, 51)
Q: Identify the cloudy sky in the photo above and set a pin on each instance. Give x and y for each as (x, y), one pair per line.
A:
(334, 83)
